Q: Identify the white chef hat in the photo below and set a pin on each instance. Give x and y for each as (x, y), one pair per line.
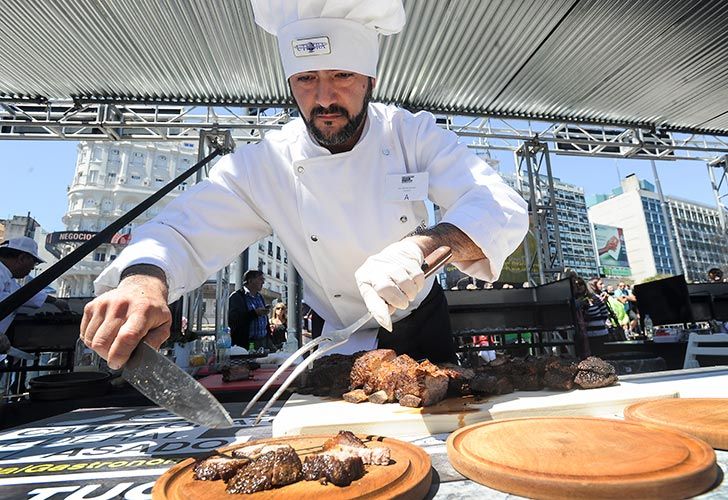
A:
(329, 34)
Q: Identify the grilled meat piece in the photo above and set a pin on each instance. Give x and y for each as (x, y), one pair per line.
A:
(366, 365)
(355, 396)
(272, 469)
(255, 450)
(594, 372)
(424, 380)
(410, 401)
(218, 467)
(232, 373)
(334, 467)
(484, 383)
(458, 379)
(386, 378)
(346, 443)
(329, 376)
(559, 374)
(343, 438)
(379, 397)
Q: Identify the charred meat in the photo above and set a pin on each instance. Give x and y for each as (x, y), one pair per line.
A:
(333, 467)
(272, 469)
(346, 443)
(218, 467)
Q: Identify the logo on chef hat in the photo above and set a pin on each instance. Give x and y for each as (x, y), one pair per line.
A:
(303, 47)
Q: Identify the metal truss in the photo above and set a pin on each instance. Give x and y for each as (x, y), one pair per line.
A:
(538, 189)
(530, 140)
(720, 188)
(69, 120)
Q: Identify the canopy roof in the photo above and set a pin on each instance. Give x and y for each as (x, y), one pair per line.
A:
(653, 64)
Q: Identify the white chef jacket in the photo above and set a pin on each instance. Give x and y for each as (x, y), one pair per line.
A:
(8, 285)
(330, 211)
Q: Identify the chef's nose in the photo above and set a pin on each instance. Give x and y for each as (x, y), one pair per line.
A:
(325, 92)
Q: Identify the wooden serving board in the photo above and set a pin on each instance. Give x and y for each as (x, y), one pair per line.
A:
(581, 457)
(408, 476)
(703, 418)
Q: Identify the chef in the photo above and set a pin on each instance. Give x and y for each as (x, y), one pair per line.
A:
(344, 187)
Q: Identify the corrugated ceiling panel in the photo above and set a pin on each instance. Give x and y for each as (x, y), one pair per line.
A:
(633, 62)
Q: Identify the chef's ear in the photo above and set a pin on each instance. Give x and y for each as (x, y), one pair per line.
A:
(374, 82)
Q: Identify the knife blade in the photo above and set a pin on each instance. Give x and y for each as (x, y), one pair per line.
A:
(173, 389)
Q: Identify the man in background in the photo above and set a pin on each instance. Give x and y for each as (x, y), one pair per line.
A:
(18, 257)
(248, 314)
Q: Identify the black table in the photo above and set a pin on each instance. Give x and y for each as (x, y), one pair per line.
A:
(672, 352)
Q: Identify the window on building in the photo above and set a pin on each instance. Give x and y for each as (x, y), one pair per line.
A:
(270, 248)
(110, 178)
(93, 176)
(97, 154)
(137, 158)
(278, 252)
(99, 256)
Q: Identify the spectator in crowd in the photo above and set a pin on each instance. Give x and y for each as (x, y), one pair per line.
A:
(248, 314)
(625, 296)
(279, 324)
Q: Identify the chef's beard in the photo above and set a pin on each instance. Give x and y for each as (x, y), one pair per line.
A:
(348, 131)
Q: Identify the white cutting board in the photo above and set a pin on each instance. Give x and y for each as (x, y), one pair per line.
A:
(305, 414)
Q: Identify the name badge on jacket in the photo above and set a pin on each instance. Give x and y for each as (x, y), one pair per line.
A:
(406, 187)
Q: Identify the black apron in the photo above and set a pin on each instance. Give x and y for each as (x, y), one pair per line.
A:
(425, 333)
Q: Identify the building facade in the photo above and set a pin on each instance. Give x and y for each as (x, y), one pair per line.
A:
(635, 207)
(110, 179)
(701, 242)
(577, 245)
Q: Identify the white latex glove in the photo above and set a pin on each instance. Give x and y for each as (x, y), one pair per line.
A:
(391, 280)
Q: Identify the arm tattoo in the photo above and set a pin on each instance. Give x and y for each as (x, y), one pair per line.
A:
(463, 248)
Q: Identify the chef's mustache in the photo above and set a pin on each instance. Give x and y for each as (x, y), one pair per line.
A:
(333, 109)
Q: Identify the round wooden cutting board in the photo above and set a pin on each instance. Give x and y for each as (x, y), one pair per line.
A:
(581, 457)
(408, 475)
(706, 419)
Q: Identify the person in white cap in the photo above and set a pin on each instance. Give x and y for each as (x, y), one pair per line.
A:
(344, 187)
(18, 257)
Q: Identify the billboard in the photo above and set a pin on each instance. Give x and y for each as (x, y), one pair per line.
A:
(611, 251)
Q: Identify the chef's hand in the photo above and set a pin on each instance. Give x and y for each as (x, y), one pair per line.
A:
(116, 321)
(391, 280)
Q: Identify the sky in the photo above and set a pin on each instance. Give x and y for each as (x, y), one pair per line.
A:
(37, 173)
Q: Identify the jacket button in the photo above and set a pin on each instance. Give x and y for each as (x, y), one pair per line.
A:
(300, 170)
(314, 237)
(403, 219)
(385, 151)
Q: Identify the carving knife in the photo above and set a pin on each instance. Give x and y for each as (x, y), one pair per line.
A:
(173, 389)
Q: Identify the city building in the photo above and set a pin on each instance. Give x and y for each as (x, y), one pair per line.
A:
(577, 245)
(110, 179)
(635, 207)
(701, 242)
